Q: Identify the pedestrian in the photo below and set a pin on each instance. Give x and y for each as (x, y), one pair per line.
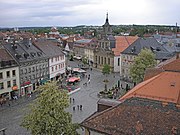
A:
(70, 100)
(9, 103)
(89, 81)
(80, 107)
(74, 108)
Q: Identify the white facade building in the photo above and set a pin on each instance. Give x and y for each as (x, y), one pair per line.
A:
(56, 67)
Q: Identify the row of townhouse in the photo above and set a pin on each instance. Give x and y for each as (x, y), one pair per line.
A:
(35, 63)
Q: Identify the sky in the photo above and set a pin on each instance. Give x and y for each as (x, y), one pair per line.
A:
(34, 13)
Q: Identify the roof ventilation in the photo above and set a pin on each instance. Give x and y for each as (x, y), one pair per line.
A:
(173, 84)
(14, 47)
(133, 49)
(158, 49)
(18, 56)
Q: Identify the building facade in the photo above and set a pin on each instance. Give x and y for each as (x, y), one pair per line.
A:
(9, 75)
(131, 52)
(33, 64)
(56, 59)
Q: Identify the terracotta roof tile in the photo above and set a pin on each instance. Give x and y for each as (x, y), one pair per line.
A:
(136, 116)
(172, 64)
(122, 42)
(163, 87)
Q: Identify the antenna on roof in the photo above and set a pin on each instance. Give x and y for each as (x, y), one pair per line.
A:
(176, 30)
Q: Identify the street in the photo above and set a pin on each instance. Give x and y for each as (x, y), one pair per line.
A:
(11, 116)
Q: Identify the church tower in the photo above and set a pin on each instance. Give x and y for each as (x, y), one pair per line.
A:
(107, 30)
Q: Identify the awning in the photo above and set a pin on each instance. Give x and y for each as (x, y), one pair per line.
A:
(15, 87)
(73, 79)
(79, 70)
(43, 81)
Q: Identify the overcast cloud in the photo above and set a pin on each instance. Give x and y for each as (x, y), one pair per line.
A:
(17, 13)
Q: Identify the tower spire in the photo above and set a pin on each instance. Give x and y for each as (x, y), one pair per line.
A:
(107, 21)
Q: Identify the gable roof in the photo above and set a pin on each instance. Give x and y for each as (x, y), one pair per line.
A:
(48, 47)
(172, 64)
(163, 87)
(135, 116)
(149, 43)
(4, 55)
(122, 42)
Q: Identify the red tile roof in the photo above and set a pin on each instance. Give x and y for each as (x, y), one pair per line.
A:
(164, 87)
(122, 42)
(172, 64)
(136, 116)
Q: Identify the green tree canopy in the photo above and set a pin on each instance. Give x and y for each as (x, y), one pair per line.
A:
(106, 69)
(47, 114)
(145, 59)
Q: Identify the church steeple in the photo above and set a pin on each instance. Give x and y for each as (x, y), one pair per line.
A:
(107, 20)
(107, 27)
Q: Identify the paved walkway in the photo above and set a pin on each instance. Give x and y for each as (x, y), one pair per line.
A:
(10, 117)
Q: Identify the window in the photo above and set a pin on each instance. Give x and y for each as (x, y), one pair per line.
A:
(8, 84)
(118, 61)
(52, 60)
(1, 75)
(33, 76)
(1, 85)
(21, 71)
(109, 61)
(37, 68)
(33, 69)
(102, 60)
(52, 69)
(8, 74)
(29, 70)
(56, 67)
(14, 72)
(105, 60)
(59, 66)
(25, 71)
(14, 82)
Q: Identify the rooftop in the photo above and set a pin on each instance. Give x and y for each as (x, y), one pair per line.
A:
(122, 42)
(149, 43)
(136, 116)
(163, 87)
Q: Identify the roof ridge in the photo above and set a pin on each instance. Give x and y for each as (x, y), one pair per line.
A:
(126, 40)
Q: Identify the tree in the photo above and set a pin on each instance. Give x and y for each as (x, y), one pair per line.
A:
(145, 59)
(106, 69)
(47, 114)
(84, 60)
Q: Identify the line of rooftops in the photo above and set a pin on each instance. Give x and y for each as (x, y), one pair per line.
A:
(26, 49)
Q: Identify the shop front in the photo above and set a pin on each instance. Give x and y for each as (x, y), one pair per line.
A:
(14, 92)
(26, 88)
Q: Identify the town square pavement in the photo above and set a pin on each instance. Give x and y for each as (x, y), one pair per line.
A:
(11, 116)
